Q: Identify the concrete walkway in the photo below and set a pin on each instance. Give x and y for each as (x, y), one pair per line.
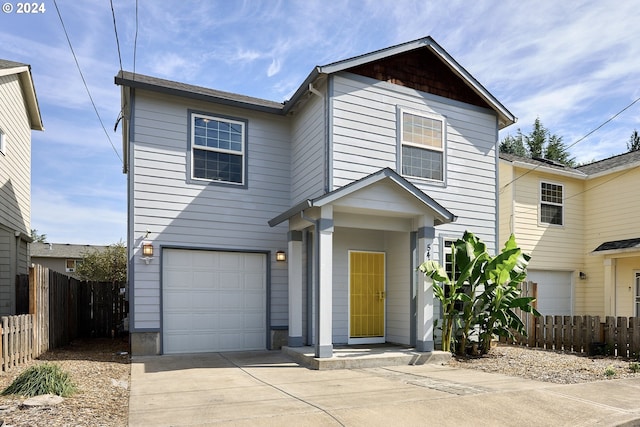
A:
(267, 389)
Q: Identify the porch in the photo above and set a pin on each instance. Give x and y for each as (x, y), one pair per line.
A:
(365, 356)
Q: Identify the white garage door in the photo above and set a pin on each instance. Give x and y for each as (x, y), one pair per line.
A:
(213, 301)
(554, 291)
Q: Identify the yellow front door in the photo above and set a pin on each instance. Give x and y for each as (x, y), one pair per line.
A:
(366, 296)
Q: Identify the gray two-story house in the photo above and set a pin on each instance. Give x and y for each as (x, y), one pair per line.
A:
(254, 223)
(19, 115)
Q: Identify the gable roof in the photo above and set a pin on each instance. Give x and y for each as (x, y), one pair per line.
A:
(505, 118)
(124, 78)
(23, 71)
(612, 164)
(442, 214)
(61, 250)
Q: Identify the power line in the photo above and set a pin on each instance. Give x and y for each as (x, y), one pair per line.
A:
(115, 29)
(75, 58)
(574, 143)
(135, 43)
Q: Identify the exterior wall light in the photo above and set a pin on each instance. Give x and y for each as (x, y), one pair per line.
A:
(281, 256)
(147, 252)
(583, 275)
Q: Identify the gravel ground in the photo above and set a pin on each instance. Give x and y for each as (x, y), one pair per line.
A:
(100, 372)
(548, 365)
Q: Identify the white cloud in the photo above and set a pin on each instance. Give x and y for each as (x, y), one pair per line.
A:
(274, 68)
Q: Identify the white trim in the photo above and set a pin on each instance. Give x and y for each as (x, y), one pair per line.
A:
(3, 142)
(443, 141)
(241, 153)
(368, 340)
(636, 285)
(540, 202)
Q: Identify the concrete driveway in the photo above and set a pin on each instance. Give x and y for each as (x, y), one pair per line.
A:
(267, 389)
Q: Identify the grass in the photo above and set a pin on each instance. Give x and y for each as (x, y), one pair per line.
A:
(45, 378)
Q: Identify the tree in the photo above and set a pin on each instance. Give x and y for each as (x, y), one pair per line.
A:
(482, 294)
(539, 143)
(40, 238)
(514, 145)
(109, 265)
(634, 141)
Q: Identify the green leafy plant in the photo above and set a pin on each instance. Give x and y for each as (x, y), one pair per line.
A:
(42, 379)
(634, 367)
(484, 292)
(609, 371)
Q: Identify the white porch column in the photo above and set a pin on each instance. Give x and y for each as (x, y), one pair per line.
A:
(324, 314)
(424, 292)
(295, 289)
(609, 286)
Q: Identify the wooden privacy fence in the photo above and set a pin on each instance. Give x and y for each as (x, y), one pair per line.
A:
(60, 309)
(616, 336)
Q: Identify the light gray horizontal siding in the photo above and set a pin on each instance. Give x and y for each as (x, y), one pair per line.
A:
(365, 140)
(184, 214)
(308, 150)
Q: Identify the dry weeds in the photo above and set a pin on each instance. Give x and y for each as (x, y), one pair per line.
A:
(100, 372)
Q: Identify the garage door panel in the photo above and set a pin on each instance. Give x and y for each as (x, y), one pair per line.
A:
(213, 301)
(554, 291)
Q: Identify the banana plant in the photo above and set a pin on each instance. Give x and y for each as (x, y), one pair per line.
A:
(480, 290)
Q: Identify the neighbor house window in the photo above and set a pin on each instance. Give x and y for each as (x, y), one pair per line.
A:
(72, 264)
(218, 149)
(422, 142)
(551, 203)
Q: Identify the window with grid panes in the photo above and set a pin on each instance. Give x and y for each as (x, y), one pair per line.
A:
(422, 142)
(218, 149)
(551, 203)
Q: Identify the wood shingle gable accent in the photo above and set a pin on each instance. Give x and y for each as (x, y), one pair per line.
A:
(421, 70)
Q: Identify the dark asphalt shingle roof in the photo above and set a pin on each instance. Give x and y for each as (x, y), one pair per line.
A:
(62, 250)
(620, 160)
(4, 64)
(611, 163)
(619, 244)
(536, 162)
(182, 89)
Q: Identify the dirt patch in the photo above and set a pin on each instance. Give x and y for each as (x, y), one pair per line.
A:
(549, 366)
(101, 371)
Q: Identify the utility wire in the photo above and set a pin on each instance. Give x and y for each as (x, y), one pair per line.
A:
(574, 143)
(75, 58)
(135, 43)
(115, 29)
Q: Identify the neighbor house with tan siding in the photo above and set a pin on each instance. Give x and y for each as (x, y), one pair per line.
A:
(19, 115)
(303, 222)
(581, 227)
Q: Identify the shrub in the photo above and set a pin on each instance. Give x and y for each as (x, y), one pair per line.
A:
(42, 379)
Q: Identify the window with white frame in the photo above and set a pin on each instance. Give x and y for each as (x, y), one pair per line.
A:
(551, 203)
(3, 142)
(422, 145)
(72, 264)
(218, 149)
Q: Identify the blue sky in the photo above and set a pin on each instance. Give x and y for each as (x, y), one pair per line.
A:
(573, 64)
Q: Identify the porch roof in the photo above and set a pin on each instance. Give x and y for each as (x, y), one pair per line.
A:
(617, 246)
(442, 215)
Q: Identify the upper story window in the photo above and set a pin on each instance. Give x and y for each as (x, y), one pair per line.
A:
(218, 149)
(422, 142)
(551, 203)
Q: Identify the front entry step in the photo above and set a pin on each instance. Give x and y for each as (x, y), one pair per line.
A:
(364, 356)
